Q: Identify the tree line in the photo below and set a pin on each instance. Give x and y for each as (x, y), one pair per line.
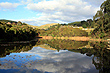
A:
(19, 32)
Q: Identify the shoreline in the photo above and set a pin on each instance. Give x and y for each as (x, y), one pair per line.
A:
(73, 38)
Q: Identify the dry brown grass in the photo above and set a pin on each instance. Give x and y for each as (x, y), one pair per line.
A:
(46, 26)
(73, 38)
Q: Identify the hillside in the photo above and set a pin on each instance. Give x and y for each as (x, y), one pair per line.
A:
(85, 24)
(33, 26)
(63, 31)
(46, 26)
(75, 23)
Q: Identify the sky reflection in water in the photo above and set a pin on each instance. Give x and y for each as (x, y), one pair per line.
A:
(40, 60)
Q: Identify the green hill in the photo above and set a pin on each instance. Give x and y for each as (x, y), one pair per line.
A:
(63, 31)
(85, 24)
(33, 26)
(46, 26)
(75, 23)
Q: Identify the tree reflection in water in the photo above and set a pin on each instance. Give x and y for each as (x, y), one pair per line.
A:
(99, 51)
(101, 58)
(7, 48)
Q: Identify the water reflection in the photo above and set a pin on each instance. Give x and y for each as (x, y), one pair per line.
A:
(62, 62)
(64, 44)
(56, 56)
(7, 48)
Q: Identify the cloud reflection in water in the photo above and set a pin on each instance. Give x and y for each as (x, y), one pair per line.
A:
(44, 60)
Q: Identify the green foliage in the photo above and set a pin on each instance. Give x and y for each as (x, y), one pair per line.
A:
(8, 48)
(84, 26)
(22, 32)
(58, 26)
(63, 31)
(105, 7)
(19, 23)
(102, 21)
(75, 23)
(83, 23)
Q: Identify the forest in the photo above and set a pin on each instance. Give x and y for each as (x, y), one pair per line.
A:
(15, 31)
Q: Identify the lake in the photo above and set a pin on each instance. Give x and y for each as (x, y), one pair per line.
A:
(55, 56)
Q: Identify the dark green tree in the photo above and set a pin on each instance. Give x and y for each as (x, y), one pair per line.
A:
(102, 20)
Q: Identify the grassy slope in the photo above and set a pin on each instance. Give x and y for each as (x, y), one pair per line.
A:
(33, 26)
(46, 26)
(65, 31)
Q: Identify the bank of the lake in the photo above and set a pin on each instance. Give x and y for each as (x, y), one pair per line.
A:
(77, 38)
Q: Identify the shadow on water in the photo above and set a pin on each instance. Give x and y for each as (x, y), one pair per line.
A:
(97, 51)
(15, 47)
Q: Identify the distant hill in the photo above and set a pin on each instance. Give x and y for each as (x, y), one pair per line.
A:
(33, 26)
(59, 31)
(85, 24)
(75, 23)
(46, 26)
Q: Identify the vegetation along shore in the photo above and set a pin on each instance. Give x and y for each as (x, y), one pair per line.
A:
(97, 28)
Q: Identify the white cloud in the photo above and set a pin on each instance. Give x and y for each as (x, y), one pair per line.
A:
(51, 61)
(43, 19)
(56, 11)
(7, 5)
(62, 10)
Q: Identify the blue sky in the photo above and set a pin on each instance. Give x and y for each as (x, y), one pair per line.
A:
(40, 12)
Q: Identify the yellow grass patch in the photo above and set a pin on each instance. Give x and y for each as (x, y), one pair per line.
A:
(73, 38)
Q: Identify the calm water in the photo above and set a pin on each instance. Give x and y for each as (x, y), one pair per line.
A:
(55, 56)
